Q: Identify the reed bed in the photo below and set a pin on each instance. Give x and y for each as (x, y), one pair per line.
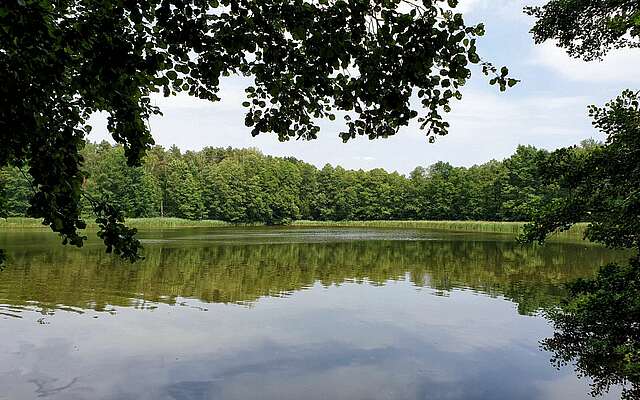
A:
(20, 223)
(512, 228)
(140, 223)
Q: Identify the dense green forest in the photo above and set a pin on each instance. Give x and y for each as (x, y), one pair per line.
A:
(246, 186)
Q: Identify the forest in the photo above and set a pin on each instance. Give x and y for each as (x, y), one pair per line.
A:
(246, 186)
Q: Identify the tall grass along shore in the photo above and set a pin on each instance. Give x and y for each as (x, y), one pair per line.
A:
(140, 223)
(513, 228)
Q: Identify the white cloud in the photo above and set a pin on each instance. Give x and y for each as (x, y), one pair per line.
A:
(619, 66)
(364, 158)
(490, 125)
(465, 6)
(511, 10)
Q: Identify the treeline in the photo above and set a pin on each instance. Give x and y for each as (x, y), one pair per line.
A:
(246, 186)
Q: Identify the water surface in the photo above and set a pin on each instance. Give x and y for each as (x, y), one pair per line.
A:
(286, 314)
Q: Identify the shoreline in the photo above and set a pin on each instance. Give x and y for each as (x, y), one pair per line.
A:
(512, 228)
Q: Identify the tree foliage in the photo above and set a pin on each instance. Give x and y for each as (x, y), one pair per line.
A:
(597, 325)
(588, 29)
(246, 186)
(61, 61)
(15, 190)
(602, 185)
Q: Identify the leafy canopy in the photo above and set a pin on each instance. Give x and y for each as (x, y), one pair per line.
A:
(61, 61)
(602, 185)
(597, 327)
(588, 29)
(245, 186)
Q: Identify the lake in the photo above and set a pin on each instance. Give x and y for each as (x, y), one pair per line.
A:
(287, 313)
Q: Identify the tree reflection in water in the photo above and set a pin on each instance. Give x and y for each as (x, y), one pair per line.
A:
(598, 328)
(49, 276)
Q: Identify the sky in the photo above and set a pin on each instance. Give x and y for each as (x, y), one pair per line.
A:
(547, 109)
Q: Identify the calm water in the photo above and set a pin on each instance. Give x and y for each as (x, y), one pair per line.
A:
(286, 314)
